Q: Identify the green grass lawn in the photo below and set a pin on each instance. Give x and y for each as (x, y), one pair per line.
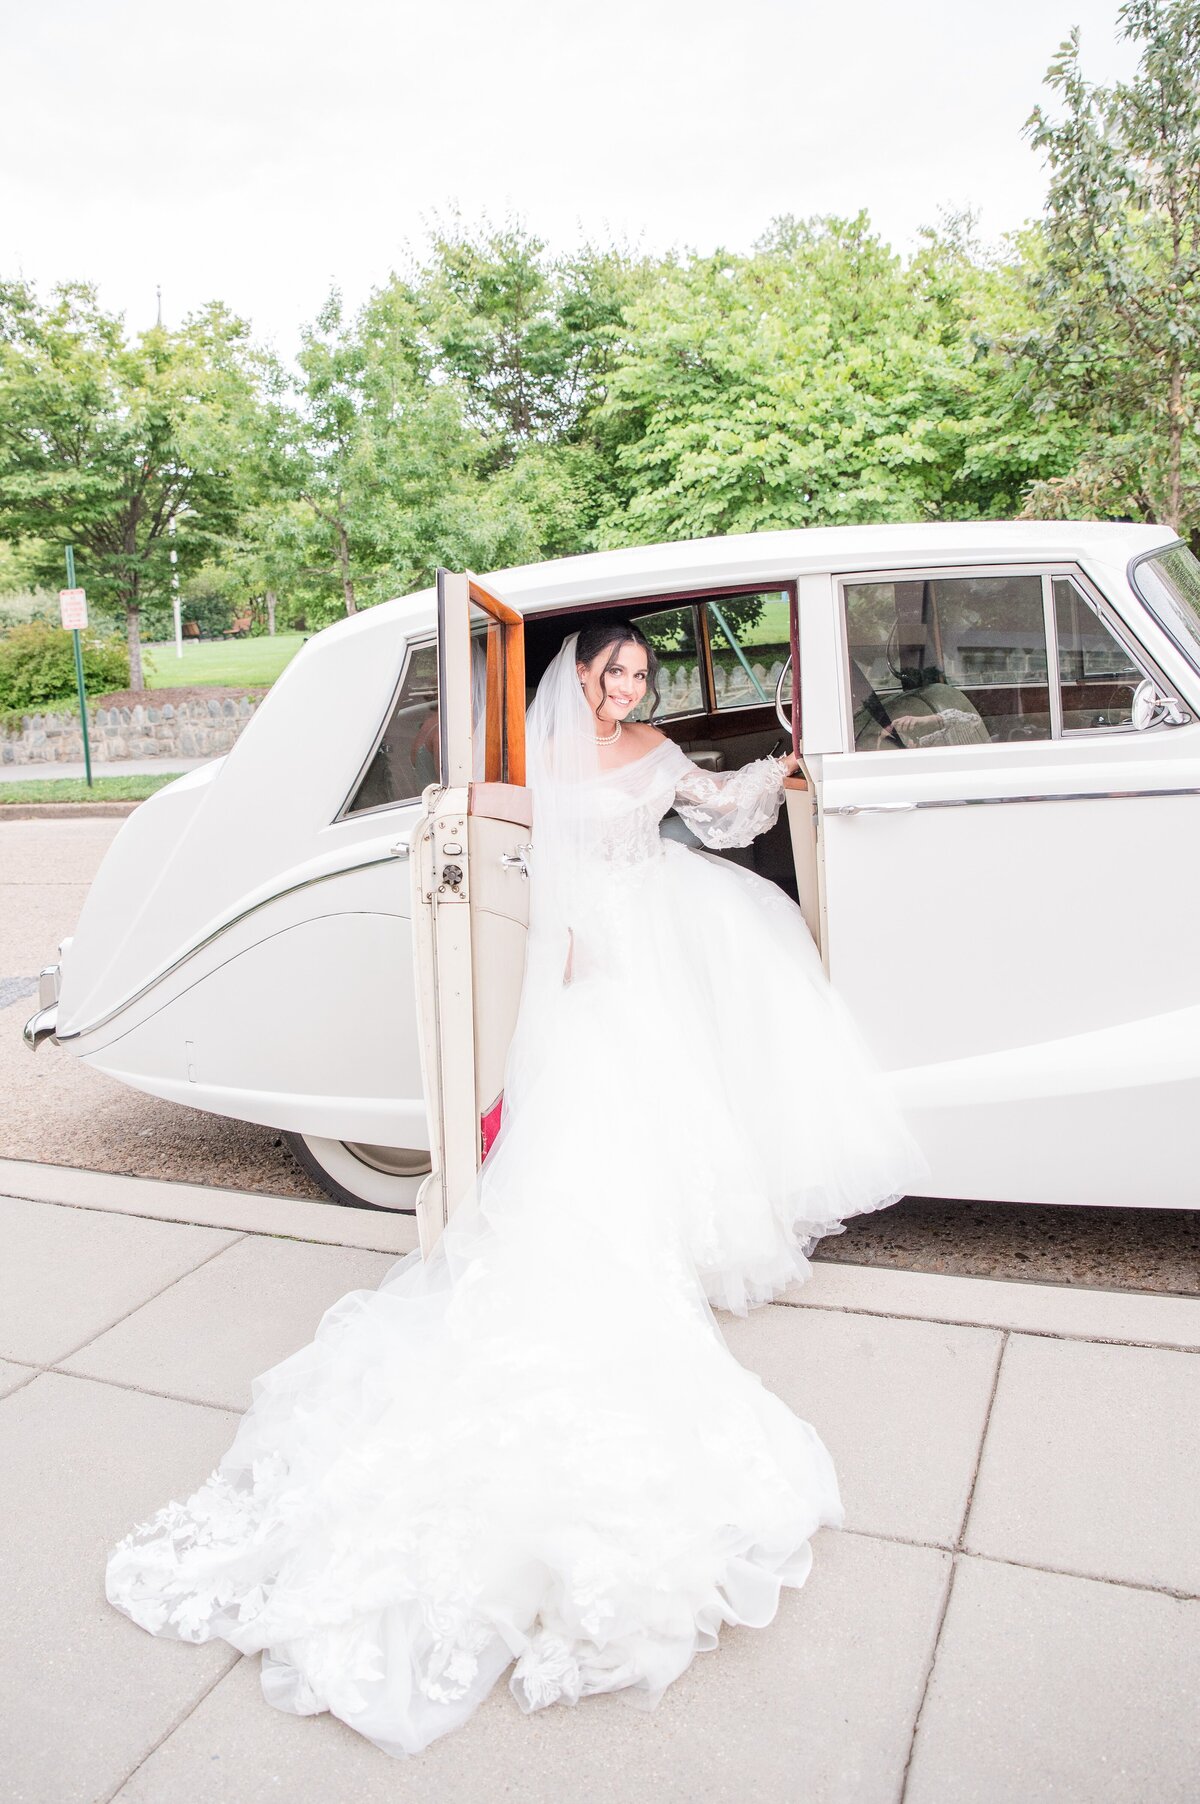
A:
(74, 789)
(239, 663)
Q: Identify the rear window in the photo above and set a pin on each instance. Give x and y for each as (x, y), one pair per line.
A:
(1168, 581)
(406, 758)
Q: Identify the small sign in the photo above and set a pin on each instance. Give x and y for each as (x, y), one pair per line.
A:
(72, 604)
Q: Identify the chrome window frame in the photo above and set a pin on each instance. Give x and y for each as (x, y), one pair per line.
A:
(1112, 622)
(787, 590)
(348, 813)
(1044, 569)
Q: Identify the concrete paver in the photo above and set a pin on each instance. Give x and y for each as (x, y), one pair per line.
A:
(1031, 1684)
(86, 1693)
(1060, 1689)
(231, 1319)
(901, 1405)
(1090, 1451)
(67, 1274)
(13, 1376)
(818, 1706)
(251, 1210)
(1067, 1311)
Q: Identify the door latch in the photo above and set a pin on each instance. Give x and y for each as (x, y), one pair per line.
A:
(452, 877)
(516, 861)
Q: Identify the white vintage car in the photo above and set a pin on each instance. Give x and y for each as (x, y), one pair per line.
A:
(993, 839)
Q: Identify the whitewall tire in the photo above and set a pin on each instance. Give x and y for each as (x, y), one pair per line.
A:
(362, 1177)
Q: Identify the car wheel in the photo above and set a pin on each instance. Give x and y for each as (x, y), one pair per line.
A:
(362, 1176)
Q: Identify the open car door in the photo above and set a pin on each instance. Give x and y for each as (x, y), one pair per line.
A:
(470, 888)
(798, 793)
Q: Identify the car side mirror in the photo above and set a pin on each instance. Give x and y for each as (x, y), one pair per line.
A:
(1150, 709)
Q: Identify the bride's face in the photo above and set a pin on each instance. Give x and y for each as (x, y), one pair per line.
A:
(615, 680)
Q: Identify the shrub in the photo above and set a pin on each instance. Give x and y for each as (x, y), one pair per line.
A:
(214, 614)
(37, 666)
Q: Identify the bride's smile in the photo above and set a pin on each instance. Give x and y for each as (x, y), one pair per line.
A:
(614, 681)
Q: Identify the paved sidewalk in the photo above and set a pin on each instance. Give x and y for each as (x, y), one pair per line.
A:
(101, 767)
(1012, 1611)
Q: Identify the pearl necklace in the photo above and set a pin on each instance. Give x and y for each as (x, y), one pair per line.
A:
(611, 738)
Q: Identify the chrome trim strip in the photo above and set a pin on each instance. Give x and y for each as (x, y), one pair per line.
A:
(400, 850)
(1053, 665)
(1075, 795)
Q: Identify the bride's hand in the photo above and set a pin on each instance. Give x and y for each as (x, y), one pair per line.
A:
(790, 763)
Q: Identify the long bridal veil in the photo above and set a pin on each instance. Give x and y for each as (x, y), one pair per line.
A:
(533, 1449)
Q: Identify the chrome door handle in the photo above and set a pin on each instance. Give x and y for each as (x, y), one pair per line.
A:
(515, 861)
(872, 808)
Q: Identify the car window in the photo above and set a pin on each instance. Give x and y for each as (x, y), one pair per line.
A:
(1096, 673)
(672, 633)
(406, 758)
(1169, 581)
(749, 638)
(954, 660)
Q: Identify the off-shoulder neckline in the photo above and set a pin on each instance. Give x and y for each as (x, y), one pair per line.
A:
(633, 763)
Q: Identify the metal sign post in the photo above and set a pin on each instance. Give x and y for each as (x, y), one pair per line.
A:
(72, 604)
(175, 592)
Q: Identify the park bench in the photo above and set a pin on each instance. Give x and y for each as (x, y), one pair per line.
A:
(237, 628)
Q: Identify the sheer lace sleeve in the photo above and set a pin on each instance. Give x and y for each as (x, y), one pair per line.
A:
(729, 807)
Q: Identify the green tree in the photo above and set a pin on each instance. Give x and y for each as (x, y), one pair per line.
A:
(490, 302)
(106, 440)
(530, 341)
(382, 457)
(392, 473)
(1120, 275)
(819, 381)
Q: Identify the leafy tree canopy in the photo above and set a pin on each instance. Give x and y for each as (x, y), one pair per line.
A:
(105, 441)
(1119, 273)
(493, 403)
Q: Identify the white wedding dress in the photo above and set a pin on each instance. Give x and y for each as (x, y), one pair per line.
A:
(535, 1447)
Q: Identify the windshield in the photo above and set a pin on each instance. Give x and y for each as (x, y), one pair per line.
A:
(1168, 581)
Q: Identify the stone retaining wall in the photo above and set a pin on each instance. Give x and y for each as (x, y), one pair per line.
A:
(192, 724)
(680, 687)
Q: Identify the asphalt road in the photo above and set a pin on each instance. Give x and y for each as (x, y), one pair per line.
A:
(59, 1111)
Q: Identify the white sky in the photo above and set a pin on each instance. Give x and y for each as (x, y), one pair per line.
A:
(259, 150)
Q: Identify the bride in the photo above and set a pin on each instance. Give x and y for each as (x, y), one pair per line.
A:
(534, 1449)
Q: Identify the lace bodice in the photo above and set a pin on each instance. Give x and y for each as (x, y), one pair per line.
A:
(722, 808)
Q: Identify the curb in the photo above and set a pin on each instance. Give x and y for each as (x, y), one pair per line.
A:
(209, 1205)
(62, 811)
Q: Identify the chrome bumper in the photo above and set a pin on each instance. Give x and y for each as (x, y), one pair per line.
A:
(42, 1026)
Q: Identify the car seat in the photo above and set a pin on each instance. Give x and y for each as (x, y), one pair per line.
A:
(953, 718)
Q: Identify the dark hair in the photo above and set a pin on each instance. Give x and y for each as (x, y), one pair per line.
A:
(606, 635)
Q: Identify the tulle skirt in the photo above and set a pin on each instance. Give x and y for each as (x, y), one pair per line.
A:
(534, 1449)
